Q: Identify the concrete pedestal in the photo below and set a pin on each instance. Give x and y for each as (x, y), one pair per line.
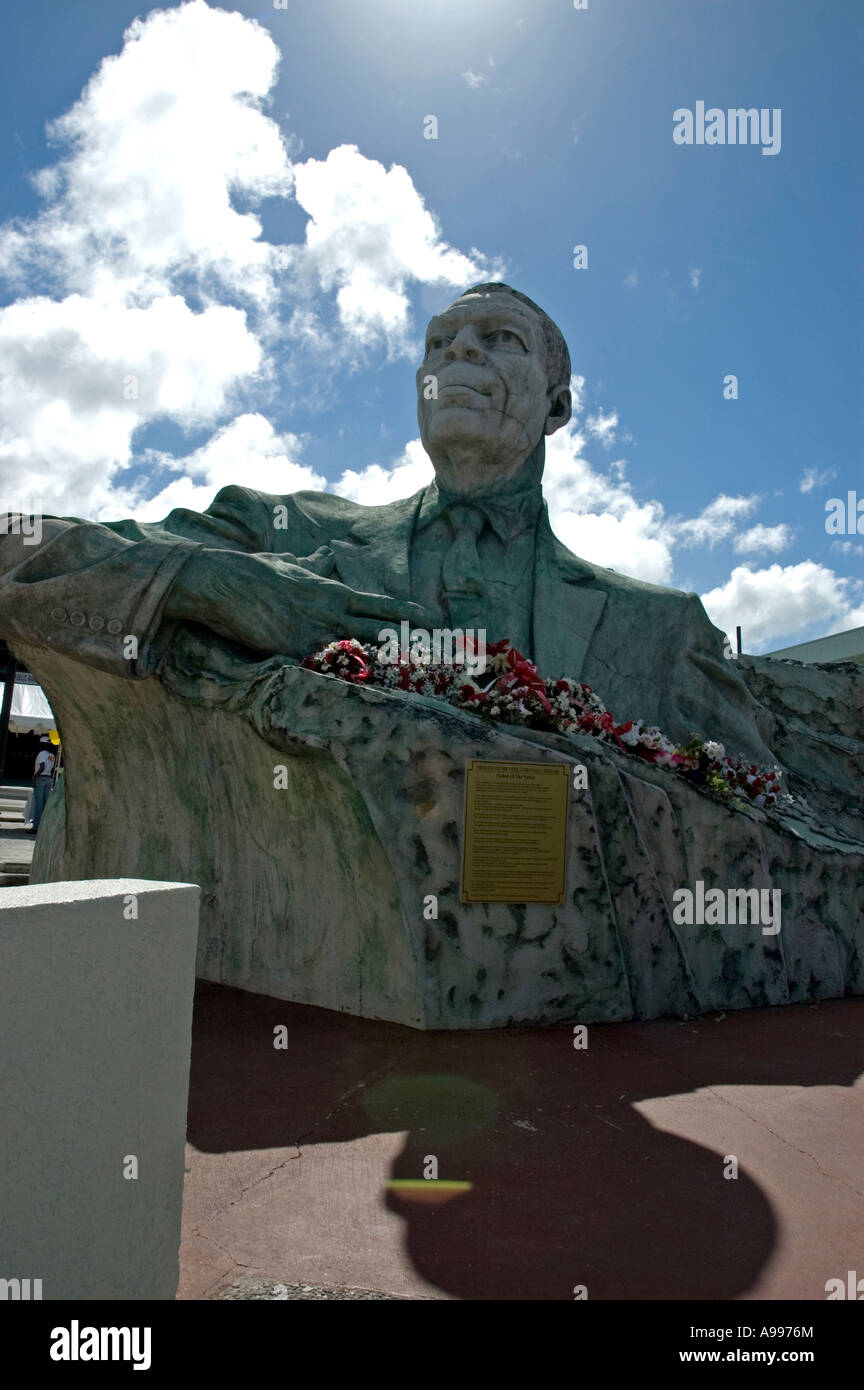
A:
(96, 990)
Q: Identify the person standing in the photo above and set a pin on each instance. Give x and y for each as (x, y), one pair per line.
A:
(43, 782)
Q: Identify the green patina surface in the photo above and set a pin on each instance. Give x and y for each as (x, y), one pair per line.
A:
(315, 891)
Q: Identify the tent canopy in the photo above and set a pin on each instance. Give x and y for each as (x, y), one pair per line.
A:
(31, 712)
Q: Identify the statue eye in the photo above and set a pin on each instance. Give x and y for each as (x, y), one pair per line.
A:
(504, 336)
(435, 344)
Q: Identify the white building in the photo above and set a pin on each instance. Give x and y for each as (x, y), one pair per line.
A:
(840, 646)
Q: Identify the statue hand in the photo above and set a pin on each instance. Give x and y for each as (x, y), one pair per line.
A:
(277, 607)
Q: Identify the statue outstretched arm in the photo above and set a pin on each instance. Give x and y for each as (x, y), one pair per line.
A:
(109, 595)
(84, 591)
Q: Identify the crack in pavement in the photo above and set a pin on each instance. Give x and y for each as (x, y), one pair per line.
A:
(339, 1103)
(305, 1137)
(694, 1086)
(199, 1231)
(833, 1177)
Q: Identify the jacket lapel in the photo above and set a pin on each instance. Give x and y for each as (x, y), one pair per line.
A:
(567, 606)
(374, 555)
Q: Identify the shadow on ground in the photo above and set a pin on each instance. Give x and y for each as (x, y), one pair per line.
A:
(570, 1184)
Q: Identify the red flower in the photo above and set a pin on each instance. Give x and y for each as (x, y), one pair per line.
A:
(618, 730)
(522, 685)
(525, 673)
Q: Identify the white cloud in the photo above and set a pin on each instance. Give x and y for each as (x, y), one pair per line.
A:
(596, 515)
(603, 427)
(695, 278)
(147, 232)
(369, 235)
(773, 605)
(140, 211)
(161, 138)
(848, 620)
(247, 451)
(475, 79)
(813, 477)
(717, 522)
(631, 280)
(766, 538)
(78, 376)
(577, 393)
(376, 485)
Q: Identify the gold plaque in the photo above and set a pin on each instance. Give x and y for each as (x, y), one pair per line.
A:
(514, 848)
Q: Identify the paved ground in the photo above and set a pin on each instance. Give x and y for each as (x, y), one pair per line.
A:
(601, 1167)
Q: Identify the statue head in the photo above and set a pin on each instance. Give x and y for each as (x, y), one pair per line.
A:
(500, 382)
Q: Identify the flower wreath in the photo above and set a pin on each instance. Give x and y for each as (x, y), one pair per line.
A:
(516, 693)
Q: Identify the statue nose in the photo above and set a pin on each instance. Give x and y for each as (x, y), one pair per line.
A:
(465, 346)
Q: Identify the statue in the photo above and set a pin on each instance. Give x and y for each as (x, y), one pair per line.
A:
(321, 567)
(220, 607)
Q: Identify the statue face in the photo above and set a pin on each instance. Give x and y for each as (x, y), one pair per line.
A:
(489, 402)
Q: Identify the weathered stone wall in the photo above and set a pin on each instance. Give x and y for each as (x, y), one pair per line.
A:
(315, 891)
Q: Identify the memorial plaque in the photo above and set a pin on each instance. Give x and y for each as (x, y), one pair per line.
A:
(514, 847)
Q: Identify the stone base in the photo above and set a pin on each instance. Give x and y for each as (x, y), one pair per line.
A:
(314, 891)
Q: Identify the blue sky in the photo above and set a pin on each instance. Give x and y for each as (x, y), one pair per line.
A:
(224, 271)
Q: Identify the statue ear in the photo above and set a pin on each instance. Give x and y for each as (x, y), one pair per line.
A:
(560, 408)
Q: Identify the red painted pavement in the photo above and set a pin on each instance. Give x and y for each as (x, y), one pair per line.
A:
(601, 1167)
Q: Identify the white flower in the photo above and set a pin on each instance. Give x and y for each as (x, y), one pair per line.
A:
(715, 751)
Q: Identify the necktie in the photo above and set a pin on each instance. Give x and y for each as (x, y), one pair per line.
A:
(461, 573)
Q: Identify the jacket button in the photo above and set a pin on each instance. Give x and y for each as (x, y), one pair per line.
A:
(77, 619)
(114, 626)
(59, 615)
(96, 622)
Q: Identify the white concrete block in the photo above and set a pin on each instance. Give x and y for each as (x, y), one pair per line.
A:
(96, 988)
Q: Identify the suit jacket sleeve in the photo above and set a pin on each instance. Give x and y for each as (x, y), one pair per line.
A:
(709, 694)
(87, 587)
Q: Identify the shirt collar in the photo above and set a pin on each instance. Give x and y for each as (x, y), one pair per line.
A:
(508, 513)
